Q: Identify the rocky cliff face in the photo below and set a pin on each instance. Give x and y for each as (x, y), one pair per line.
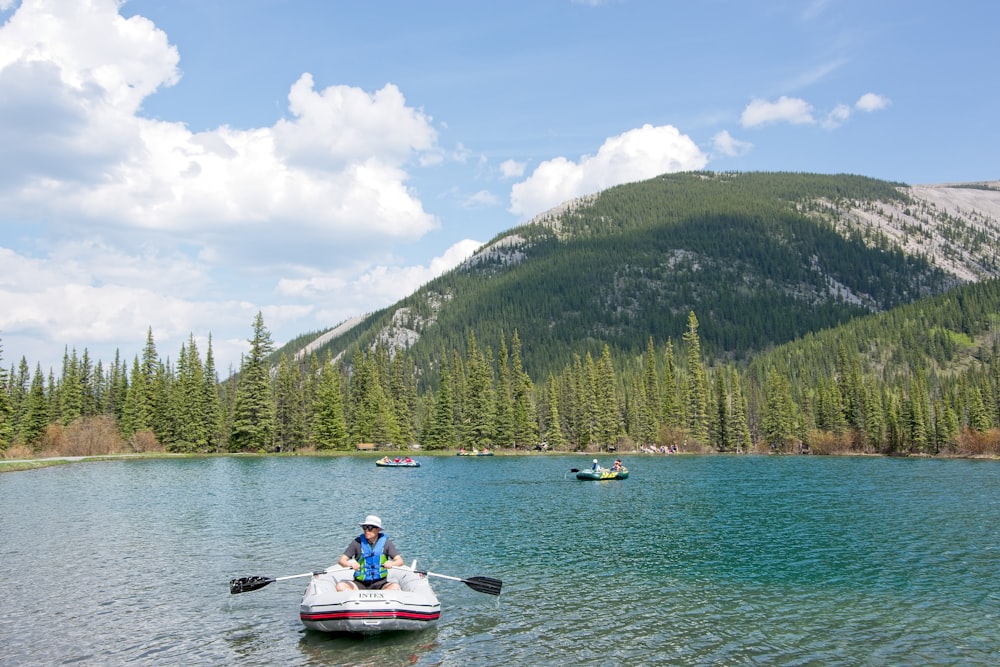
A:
(956, 226)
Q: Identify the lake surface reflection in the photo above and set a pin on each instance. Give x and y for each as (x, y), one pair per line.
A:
(691, 561)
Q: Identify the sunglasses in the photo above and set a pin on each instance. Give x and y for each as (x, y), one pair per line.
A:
(369, 527)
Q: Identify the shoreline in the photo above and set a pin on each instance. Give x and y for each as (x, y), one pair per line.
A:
(18, 465)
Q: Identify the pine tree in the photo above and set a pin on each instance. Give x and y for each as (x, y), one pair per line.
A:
(70, 390)
(457, 366)
(477, 427)
(916, 414)
(359, 418)
(979, 416)
(372, 419)
(440, 433)
(720, 416)
(843, 379)
(329, 423)
(141, 409)
(608, 423)
(739, 430)
(117, 389)
(137, 412)
(253, 426)
(310, 383)
(504, 414)
(553, 433)
(288, 406)
(52, 395)
(945, 426)
(525, 415)
(585, 390)
(874, 416)
(162, 385)
(89, 384)
(98, 391)
(648, 409)
(893, 422)
(189, 423)
(6, 408)
(403, 392)
(670, 413)
(212, 402)
(777, 421)
(994, 384)
(152, 382)
(696, 407)
(20, 386)
(36, 412)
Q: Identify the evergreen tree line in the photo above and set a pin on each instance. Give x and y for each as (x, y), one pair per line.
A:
(884, 384)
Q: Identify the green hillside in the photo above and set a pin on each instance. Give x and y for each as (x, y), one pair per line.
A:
(929, 370)
(757, 256)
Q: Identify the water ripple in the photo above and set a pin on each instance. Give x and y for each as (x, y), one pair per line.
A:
(691, 561)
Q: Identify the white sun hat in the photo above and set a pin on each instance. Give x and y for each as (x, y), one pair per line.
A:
(371, 520)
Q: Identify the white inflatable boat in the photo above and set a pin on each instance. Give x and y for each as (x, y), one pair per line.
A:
(413, 607)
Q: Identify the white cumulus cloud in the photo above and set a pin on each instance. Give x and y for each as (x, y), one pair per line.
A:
(386, 283)
(129, 222)
(481, 199)
(784, 110)
(728, 145)
(512, 169)
(73, 76)
(872, 102)
(800, 112)
(837, 117)
(343, 125)
(635, 155)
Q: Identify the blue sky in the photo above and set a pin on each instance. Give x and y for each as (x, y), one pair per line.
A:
(181, 165)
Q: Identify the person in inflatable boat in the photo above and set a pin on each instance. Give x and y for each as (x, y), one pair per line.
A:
(371, 554)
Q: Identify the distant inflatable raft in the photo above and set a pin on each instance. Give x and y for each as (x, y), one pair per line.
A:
(386, 462)
(602, 474)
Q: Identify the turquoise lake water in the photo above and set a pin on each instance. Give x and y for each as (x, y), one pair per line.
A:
(715, 560)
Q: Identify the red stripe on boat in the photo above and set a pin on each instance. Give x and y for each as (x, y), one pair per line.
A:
(344, 615)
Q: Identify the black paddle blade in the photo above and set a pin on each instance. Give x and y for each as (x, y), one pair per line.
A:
(486, 585)
(244, 584)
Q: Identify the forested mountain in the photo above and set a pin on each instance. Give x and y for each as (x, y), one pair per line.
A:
(762, 258)
(729, 312)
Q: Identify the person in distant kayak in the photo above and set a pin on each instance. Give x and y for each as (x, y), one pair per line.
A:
(371, 554)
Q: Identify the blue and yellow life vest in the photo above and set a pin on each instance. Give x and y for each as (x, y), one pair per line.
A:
(372, 560)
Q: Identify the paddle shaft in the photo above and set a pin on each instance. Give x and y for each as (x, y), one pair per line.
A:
(487, 585)
(295, 576)
(247, 584)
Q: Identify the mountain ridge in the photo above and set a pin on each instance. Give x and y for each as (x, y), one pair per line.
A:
(818, 230)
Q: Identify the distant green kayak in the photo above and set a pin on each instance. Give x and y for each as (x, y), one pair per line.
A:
(602, 474)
